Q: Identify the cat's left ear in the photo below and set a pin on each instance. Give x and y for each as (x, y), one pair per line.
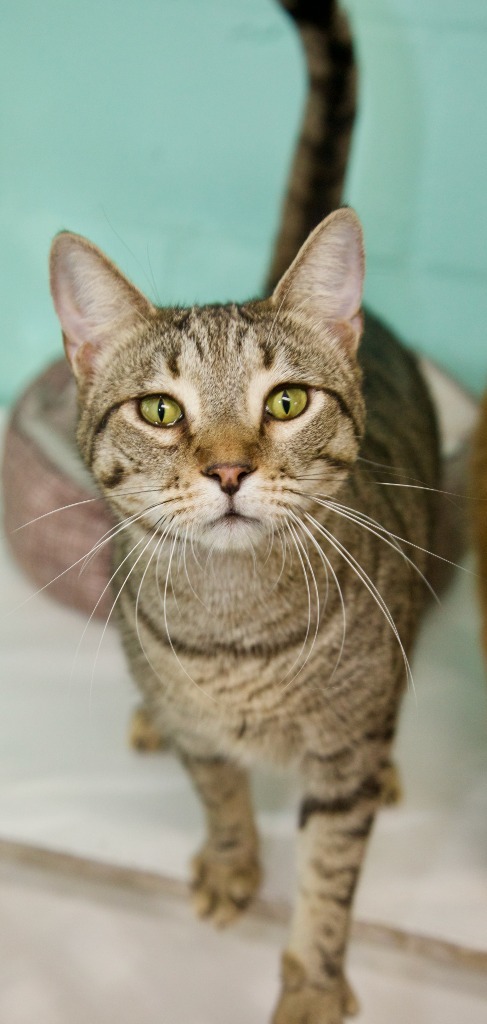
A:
(325, 281)
(96, 305)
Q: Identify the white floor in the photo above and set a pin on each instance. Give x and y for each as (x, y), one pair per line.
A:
(76, 953)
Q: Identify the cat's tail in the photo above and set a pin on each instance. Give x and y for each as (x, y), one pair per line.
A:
(316, 181)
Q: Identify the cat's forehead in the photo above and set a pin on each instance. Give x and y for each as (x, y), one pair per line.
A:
(214, 339)
(219, 358)
(218, 346)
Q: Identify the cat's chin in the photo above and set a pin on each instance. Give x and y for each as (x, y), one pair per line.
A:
(233, 533)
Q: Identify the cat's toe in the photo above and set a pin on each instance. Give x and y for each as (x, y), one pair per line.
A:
(222, 889)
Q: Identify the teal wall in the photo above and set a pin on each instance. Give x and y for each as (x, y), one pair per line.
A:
(419, 173)
(163, 131)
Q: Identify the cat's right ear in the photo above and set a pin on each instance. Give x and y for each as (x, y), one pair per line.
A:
(96, 305)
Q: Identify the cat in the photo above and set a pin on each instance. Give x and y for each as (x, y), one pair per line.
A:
(316, 178)
(266, 601)
(266, 609)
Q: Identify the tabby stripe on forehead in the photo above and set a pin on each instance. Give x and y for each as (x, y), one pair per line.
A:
(172, 360)
(268, 354)
(267, 349)
(183, 317)
(198, 346)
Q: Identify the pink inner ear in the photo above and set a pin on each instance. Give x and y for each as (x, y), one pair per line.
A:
(68, 268)
(72, 322)
(353, 273)
(95, 303)
(326, 279)
(78, 340)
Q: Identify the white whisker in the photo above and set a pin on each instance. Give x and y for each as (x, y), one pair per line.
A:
(404, 540)
(137, 560)
(382, 533)
(157, 550)
(193, 552)
(282, 538)
(185, 563)
(370, 586)
(114, 531)
(327, 565)
(163, 600)
(300, 545)
(76, 504)
(93, 612)
(52, 511)
(94, 550)
(308, 591)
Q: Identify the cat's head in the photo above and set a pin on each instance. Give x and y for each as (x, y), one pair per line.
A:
(216, 421)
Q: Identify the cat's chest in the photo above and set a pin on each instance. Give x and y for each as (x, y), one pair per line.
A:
(235, 609)
(254, 700)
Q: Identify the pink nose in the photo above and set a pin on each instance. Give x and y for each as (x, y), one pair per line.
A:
(230, 474)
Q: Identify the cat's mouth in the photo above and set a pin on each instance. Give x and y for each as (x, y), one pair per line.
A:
(233, 529)
(232, 516)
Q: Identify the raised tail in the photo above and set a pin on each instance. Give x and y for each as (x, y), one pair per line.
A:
(316, 180)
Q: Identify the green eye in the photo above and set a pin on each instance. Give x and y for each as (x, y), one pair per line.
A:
(160, 410)
(286, 403)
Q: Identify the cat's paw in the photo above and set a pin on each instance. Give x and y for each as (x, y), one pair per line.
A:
(223, 889)
(143, 734)
(309, 1006)
(301, 1003)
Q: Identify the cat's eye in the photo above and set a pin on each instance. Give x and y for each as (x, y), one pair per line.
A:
(285, 403)
(160, 410)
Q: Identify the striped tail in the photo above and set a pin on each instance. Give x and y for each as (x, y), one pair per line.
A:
(316, 181)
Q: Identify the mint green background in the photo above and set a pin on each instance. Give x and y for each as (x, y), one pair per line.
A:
(163, 130)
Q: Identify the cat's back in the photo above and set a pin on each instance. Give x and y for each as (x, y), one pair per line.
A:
(396, 474)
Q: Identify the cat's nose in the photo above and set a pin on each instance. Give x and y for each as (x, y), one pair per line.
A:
(230, 474)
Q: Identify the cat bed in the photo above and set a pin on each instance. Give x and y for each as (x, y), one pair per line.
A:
(55, 519)
(54, 516)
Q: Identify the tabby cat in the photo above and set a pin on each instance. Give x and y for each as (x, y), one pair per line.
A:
(266, 599)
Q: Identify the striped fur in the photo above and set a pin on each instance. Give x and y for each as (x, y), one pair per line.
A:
(318, 171)
(275, 641)
(272, 637)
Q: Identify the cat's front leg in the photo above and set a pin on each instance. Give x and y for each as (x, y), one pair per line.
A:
(335, 820)
(226, 871)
